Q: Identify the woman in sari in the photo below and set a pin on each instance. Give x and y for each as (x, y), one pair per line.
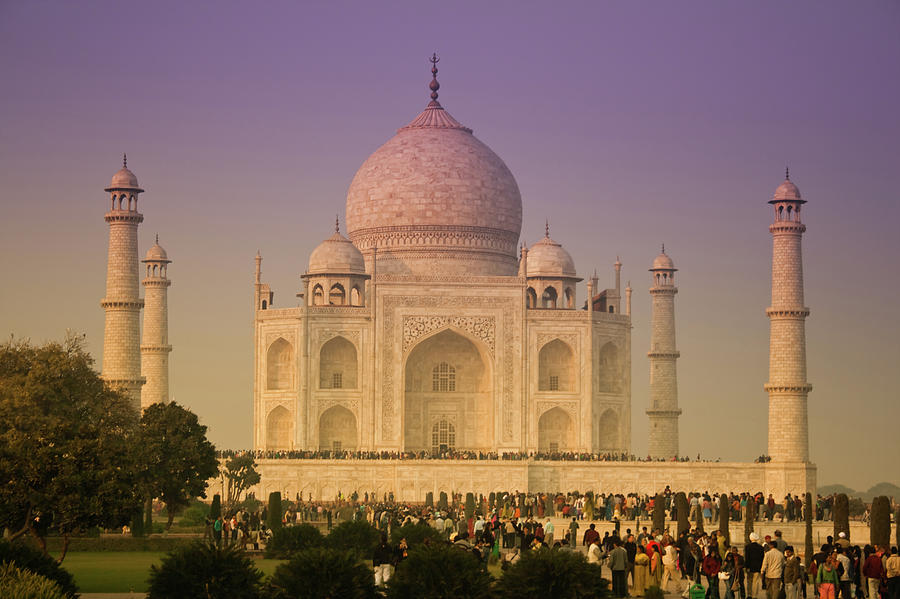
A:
(656, 567)
(642, 572)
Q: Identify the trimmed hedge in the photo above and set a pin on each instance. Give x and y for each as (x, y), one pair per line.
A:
(841, 515)
(880, 527)
(116, 543)
(682, 511)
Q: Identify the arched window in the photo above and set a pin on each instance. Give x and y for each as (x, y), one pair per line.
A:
(278, 429)
(355, 297)
(556, 367)
(338, 365)
(443, 437)
(443, 378)
(548, 299)
(336, 295)
(279, 362)
(318, 296)
(530, 298)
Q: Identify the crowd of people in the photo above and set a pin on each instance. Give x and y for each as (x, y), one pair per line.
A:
(449, 454)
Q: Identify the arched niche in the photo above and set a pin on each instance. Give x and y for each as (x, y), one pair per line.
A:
(556, 431)
(609, 369)
(556, 367)
(279, 429)
(355, 296)
(608, 437)
(337, 429)
(530, 298)
(279, 365)
(336, 295)
(338, 365)
(467, 403)
(549, 297)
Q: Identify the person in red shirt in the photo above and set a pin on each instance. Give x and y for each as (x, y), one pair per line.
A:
(873, 570)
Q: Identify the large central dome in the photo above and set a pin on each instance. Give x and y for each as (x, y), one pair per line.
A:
(436, 200)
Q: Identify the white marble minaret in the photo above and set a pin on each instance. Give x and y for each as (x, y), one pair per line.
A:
(787, 386)
(663, 410)
(155, 346)
(122, 330)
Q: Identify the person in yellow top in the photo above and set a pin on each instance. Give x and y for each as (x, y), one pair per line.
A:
(641, 573)
(892, 567)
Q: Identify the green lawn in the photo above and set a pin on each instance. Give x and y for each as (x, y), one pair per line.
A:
(123, 571)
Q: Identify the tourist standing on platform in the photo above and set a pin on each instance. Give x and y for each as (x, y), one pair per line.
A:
(793, 573)
(753, 559)
(618, 564)
(712, 564)
(844, 568)
(892, 572)
(827, 579)
(772, 570)
(573, 533)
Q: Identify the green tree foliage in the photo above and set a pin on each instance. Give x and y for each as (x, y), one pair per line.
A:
(17, 583)
(204, 570)
(29, 558)
(240, 475)
(320, 572)
(358, 537)
(273, 519)
(67, 443)
(548, 573)
(683, 511)
(659, 513)
(178, 458)
(429, 499)
(440, 572)
(841, 512)
(288, 540)
(880, 527)
(749, 519)
(442, 500)
(415, 534)
(215, 509)
(724, 517)
(470, 505)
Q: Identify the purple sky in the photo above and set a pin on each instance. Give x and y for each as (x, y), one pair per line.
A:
(626, 125)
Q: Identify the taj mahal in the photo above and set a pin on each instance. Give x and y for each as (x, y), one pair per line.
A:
(429, 329)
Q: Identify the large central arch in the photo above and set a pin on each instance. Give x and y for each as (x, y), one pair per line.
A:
(448, 377)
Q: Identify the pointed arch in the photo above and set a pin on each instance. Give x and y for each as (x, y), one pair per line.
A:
(355, 296)
(338, 365)
(549, 297)
(336, 295)
(279, 365)
(556, 367)
(279, 429)
(318, 295)
(609, 369)
(530, 298)
(556, 431)
(337, 429)
(608, 433)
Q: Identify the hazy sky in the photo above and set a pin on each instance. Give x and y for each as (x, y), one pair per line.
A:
(626, 124)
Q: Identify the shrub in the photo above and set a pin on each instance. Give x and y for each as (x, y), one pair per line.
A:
(33, 560)
(204, 570)
(683, 510)
(288, 540)
(442, 500)
(659, 513)
(470, 505)
(195, 514)
(841, 515)
(359, 538)
(18, 583)
(749, 518)
(439, 572)
(880, 527)
(654, 592)
(321, 572)
(429, 499)
(275, 511)
(548, 573)
(415, 534)
(215, 510)
(725, 517)
(808, 509)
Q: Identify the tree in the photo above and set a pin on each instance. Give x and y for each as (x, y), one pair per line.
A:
(322, 572)
(358, 537)
(880, 527)
(415, 534)
(273, 519)
(808, 512)
(33, 560)
(204, 570)
(659, 513)
(750, 518)
(215, 509)
(683, 510)
(288, 540)
(725, 517)
(548, 573)
(438, 572)
(179, 459)
(841, 515)
(67, 443)
(240, 475)
(470, 505)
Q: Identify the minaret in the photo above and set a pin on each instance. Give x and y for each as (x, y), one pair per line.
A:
(122, 330)
(663, 410)
(787, 386)
(155, 346)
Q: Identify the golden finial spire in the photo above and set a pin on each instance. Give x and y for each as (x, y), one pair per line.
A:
(434, 86)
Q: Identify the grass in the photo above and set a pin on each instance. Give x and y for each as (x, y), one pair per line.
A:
(124, 571)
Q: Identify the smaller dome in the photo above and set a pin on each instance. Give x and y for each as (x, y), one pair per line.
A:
(546, 258)
(787, 192)
(663, 262)
(123, 179)
(336, 255)
(156, 253)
